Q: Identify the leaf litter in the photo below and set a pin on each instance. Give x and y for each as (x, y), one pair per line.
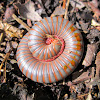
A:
(83, 83)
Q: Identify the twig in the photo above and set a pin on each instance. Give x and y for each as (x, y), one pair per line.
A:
(11, 2)
(64, 4)
(66, 11)
(47, 36)
(6, 57)
(2, 70)
(82, 95)
(21, 22)
(1, 37)
(4, 73)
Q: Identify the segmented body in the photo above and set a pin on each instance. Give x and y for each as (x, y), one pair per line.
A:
(50, 59)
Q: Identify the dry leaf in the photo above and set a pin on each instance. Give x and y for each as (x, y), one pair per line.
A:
(8, 47)
(98, 28)
(58, 11)
(2, 55)
(77, 3)
(29, 23)
(1, 8)
(89, 96)
(78, 76)
(14, 44)
(90, 54)
(27, 10)
(3, 43)
(65, 96)
(94, 23)
(2, 49)
(8, 14)
(13, 61)
(95, 10)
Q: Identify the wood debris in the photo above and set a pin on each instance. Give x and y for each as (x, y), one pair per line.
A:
(10, 30)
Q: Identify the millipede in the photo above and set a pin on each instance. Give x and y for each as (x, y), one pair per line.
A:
(50, 51)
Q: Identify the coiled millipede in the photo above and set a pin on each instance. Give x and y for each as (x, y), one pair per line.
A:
(50, 51)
